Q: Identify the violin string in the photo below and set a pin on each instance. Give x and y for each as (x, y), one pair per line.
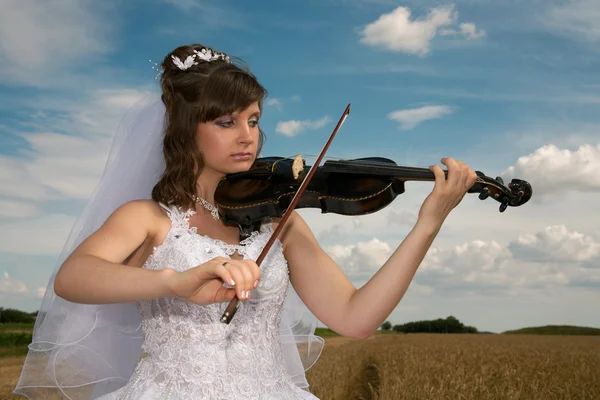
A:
(324, 158)
(381, 164)
(361, 162)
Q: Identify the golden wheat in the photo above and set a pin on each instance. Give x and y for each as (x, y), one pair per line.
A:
(481, 367)
(456, 367)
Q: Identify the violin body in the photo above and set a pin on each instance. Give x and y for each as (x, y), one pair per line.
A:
(353, 187)
(267, 190)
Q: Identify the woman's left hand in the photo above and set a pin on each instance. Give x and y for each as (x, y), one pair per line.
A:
(448, 192)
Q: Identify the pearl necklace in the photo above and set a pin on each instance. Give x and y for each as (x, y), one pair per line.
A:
(213, 210)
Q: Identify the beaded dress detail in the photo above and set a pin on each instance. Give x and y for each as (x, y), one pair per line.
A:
(188, 353)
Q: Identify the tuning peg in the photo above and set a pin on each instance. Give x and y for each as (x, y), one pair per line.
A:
(519, 197)
(485, 193)
(503, 205)
(500, 180)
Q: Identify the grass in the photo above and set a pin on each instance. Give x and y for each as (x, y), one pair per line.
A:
(14, 343)
(16, 327)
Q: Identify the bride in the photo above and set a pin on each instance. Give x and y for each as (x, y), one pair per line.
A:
(133, 310)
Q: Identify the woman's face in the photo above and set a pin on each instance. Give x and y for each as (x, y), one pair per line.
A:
(229, 143)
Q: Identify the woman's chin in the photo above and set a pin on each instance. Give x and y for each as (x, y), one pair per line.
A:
(237, 167)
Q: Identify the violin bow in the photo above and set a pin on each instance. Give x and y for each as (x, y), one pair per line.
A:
(233, 305)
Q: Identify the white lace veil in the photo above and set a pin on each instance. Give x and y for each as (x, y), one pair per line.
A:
(83, 351)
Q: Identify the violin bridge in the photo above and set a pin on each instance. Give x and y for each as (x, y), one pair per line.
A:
(297, 166)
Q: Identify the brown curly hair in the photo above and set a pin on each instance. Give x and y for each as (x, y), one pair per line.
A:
(201, 93)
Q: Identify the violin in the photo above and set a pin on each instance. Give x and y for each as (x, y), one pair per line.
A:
(275, 186)
(347, 187)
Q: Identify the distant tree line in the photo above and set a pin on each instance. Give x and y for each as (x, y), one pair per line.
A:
(556, 330)
(447, 325)
(11, 315)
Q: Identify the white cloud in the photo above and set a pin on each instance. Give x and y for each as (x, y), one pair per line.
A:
(468, 30)
(57, 166)
(360, 260)
(339, 231)
(40, 292)
(278, 102)
(18, 209)
(552, 171)
(9, 286)
(211, 14)
(294, 127)
(556, 244)
(36, 236)
(273, 102)
(540, 260)
(335, 232)
(577, 19)
(396, 31)
(471, 266)
(465, 259)
(409, 118)
(39, 38)
(402, 217)
(66, 165)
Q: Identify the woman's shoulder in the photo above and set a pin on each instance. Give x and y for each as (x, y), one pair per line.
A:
(151, 212)
(142, 206)
(294, 226)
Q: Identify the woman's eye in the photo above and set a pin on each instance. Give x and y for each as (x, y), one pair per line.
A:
(225, 124)
(253, 123)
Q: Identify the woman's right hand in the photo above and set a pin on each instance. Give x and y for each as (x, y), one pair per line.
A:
(204, 284)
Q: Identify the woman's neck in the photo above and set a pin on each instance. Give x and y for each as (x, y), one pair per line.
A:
(206, 185)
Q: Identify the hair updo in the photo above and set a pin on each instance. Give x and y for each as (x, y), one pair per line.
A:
(203, 92)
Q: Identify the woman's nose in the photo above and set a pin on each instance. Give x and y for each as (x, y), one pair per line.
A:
(245, 134)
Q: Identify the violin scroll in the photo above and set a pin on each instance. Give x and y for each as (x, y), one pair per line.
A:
(518, 191)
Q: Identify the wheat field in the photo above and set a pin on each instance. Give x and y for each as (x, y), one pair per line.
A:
(429, 366)
(456, 367)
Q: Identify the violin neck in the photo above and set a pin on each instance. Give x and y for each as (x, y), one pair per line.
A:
(415, 174)
(393, 171)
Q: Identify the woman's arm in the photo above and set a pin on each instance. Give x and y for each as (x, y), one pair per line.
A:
(95, 274)
(328, 293)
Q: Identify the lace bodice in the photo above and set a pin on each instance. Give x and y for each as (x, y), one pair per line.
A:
(188, 353)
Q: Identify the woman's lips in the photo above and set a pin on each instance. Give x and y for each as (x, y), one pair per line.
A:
(242, 156)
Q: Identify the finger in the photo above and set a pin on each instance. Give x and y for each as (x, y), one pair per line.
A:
(453, 171)
(440, 177)
(472, 179)
(468, 177)
(464, 175)
(255, 270)
(224, 295)
(238, 276)
(246, 282)
(248, 276)
(224, 273)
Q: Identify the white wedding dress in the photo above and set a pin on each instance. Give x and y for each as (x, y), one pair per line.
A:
(188, 353)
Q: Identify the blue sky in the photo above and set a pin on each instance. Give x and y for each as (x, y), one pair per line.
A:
(511, 88)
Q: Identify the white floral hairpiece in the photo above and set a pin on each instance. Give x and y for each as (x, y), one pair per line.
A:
(159, 69)
(204, 54)
(189, 61)
(208, 55)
